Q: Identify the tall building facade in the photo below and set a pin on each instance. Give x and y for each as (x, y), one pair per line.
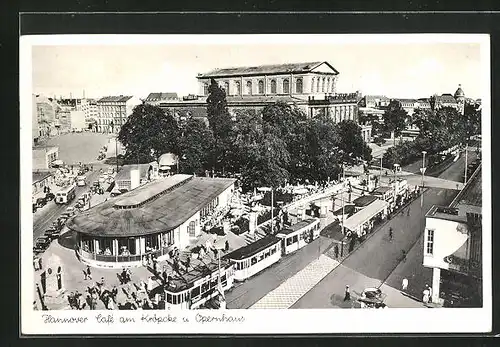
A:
(312, 87)
(47, 115)
(91, 112)
(299, 80)
(113, 112)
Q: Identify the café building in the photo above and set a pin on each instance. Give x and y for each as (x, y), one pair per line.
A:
(152, 219)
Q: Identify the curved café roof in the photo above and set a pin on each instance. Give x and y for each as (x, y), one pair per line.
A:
(165, 212)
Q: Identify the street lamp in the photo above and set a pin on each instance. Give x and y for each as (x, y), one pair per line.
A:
(422, 170)
(396, 166)
(466, 150)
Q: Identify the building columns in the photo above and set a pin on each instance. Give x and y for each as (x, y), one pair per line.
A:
(436, 282)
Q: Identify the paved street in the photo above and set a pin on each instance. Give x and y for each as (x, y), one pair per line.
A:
(373, 262)
(78, 147)
(44, 219)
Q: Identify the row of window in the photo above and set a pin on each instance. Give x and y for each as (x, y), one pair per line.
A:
(303, 235)
(192, 294)
(105, 246)
(207, 210)
(299, 87)
(256, 258)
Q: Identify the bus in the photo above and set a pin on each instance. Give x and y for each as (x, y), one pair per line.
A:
(65, 195)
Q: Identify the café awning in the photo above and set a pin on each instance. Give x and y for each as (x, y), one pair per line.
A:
(367, 213)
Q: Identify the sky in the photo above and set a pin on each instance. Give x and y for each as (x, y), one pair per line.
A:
(404, 70)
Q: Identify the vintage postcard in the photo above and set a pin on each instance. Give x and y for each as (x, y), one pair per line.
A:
(241, 184)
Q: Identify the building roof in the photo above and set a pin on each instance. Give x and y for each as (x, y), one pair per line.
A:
(459, 92)
(297, 226)
(40, 176)
(472, 194)
(411, 101)
(382, 190)
(124, 173)
(376, 97)
(365, 214)
(446, 98)
(165, 212)
(253, 248)
(364, 200)
(140, 196)
(348, 209)
(265, 69)
(119, 98)
(162, 96)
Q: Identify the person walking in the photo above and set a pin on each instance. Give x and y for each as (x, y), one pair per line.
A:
(390, 234)
(89, 273)
(430, 293)
(336, 251)
(405, 284)
(347, 295)
(408, 211)
(426, 295)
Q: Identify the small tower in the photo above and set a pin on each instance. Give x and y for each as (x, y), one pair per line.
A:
(460, 97)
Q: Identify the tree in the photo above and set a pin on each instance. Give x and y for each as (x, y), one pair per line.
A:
(395, 118)
(321, 156)
(287, 122)
(148, 133)
(195, 146)
(472, 120)
(350, 141)
(262, 156)
(220, 122)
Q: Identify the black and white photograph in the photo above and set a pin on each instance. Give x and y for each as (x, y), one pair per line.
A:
(262, 181)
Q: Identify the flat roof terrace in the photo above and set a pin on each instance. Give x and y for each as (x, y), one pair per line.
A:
(165, 212)
(137, 197)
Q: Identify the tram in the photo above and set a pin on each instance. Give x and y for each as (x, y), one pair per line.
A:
(298, 235)
(192, 289)
(255, 257)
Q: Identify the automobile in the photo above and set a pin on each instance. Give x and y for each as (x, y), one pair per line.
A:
(372, 298)
(50, 196)
(63, 219)
(41, 244)
(52, 233)
(70, 212)
(40, 202)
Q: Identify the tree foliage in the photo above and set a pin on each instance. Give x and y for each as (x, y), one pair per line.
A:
(220, 123)
(395, 118)
(148, 133)
(439, 129)
(195, 146)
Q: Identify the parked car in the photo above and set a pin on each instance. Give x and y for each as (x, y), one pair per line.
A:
(63, 219)
(40, 202)
(52, 233)
(41, 244)
(50, 196)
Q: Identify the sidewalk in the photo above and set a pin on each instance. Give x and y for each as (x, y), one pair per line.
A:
(292, 289)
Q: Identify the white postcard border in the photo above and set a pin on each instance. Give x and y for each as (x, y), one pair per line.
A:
(251, 321)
